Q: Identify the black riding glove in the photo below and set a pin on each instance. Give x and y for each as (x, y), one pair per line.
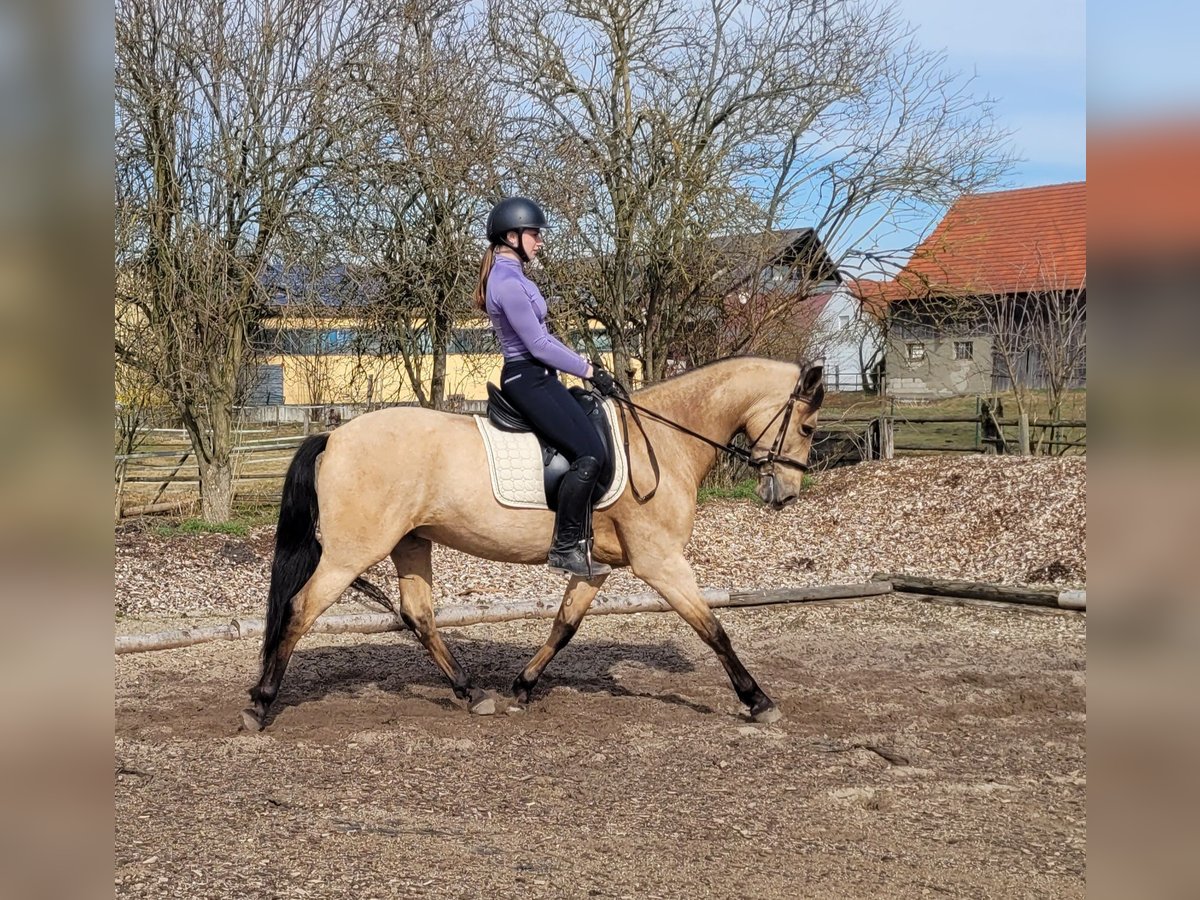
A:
(604, 382)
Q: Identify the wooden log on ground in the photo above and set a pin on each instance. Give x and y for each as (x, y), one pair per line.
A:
(165, 506)
(457, 616)
(1000, 593)
(178, 637)
(1023, 609)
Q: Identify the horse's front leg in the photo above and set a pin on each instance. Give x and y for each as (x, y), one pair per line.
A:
(413, 557)
(673, 578)
(575, 603)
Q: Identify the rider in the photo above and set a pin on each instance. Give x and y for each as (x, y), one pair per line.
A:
(533, 358)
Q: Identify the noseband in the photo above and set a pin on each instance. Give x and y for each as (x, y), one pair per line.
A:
(764, 465)
(776, 456)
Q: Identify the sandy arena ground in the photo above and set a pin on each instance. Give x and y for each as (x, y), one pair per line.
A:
(926, 750)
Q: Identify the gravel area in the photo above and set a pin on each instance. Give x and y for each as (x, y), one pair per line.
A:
(996, 519)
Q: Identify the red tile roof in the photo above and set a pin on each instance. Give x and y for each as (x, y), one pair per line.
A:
(1030, 239)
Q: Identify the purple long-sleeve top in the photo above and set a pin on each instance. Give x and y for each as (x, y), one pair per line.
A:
(518, 313)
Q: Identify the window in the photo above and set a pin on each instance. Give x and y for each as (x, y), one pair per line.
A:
(309, 341)
(777, 274)
(964, 349)
(337, 341)
(474, 341)
(915, 351)
(843, 322)
(598, 336)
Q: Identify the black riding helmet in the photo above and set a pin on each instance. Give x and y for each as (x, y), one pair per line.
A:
(514, 214)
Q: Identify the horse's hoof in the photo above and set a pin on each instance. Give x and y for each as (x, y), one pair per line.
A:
(483, 707)
(514, 709)
(251, 721)
(767, 715)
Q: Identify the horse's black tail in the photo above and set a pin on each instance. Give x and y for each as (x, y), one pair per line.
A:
(297, 550)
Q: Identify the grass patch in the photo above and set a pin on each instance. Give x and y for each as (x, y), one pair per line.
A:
(246, 516)
(740, 490)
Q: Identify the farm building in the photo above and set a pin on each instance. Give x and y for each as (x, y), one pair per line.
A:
(995, 295)
(783, 296)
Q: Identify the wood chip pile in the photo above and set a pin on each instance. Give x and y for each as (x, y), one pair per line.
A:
(998, 519)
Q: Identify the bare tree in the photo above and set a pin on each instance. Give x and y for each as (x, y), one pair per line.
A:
(225, 117)
(314, 323)
(1059, 337)
(413, 185)
(655, 126)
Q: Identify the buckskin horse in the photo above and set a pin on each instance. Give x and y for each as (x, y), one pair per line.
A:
(396, 481)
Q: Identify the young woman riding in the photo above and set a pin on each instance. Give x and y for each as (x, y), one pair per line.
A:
(533, 357)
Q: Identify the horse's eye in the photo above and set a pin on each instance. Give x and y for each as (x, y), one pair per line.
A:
(807, 430)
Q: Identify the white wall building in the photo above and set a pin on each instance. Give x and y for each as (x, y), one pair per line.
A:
(846, 337)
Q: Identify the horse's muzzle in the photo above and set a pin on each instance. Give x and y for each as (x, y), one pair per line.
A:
(773, 492)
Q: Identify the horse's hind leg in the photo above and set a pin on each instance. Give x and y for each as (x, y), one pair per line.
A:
(413, 557)
(319, 593)
(576, 600)
(674, 579)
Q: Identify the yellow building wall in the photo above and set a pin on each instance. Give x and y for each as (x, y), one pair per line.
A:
(350, 379)
(356, 379)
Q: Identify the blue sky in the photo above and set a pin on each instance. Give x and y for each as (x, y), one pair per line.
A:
(1143, 59)
(1030, 55)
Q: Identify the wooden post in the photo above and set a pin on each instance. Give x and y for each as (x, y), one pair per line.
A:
(120, 489)
(1023, 433)
(869, 439)
(175, 471)
(887, 438)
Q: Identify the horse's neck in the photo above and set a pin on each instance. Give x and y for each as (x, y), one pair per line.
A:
(714, 401)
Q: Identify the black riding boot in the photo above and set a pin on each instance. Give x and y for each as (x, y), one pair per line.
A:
(571, 552)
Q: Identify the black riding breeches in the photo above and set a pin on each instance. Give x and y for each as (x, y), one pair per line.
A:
(548, 406)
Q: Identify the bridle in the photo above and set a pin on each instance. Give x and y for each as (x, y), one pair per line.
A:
(764, 465)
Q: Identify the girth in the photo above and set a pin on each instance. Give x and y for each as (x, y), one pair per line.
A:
(506, 417)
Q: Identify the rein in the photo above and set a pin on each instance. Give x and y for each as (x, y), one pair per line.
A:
(774, 457)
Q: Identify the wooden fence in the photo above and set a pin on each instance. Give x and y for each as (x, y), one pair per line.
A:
(167, 480)
(855, 438)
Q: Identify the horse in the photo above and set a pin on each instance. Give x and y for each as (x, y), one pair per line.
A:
(395, 481)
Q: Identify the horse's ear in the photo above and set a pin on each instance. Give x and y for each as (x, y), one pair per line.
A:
(813, 385)
(812, 380)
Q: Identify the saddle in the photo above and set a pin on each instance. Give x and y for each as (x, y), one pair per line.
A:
(504, 416)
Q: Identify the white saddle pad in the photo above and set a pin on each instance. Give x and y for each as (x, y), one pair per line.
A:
(515, 463)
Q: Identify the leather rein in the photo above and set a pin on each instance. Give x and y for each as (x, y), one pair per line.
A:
(773, 458)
